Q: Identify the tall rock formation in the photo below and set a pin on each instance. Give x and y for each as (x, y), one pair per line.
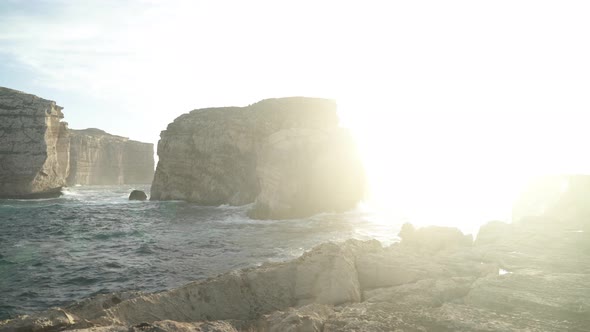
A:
(99, 158)
(238, 155)
(39, 154)
(302, 172)
(34, 146)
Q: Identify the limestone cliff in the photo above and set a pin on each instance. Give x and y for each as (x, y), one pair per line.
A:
(557, 198)
(99, 158)
(213, 156)
(306, 171)
(34, 146)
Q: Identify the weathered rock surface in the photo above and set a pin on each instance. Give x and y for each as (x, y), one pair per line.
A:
(562, 198)
(279, 150)
(434, 238)
(99, 158)
(528, 277)
(34, 146)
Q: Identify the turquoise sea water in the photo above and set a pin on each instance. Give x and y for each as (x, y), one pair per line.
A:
(93, 240)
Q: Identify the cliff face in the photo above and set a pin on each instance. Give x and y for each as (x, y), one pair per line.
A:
(39, 154)
(99, 158)
(34, 146)
(138, 162)
(306, 171)
(210, 156)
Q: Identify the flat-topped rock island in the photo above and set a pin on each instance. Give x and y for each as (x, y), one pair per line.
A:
(288, 156)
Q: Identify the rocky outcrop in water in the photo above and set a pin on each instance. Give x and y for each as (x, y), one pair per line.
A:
(99, 158)
(34, 146)
(302, 172)
(529, 276)
(282, 153)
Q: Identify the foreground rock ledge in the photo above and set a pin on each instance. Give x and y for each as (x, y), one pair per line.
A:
(532, 276)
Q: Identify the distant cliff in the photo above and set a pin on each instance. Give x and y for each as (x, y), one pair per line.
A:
(39, 154)
(264, 153)
(99, 158)
(34, 146)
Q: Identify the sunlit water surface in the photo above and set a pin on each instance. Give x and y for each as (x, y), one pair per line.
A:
(93, 240)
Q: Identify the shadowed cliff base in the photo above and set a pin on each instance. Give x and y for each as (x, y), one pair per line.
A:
(533, 275)
(287, 156)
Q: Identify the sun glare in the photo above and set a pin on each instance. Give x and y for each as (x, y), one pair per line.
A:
(442, 164)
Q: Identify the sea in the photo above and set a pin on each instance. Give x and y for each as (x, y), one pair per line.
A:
(93, 240)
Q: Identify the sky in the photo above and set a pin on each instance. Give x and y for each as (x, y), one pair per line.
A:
(446, 98)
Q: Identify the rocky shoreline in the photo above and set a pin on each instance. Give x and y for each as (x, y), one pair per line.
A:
(531, 275)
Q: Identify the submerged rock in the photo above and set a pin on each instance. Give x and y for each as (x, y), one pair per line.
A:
(137, 195)
(34, 146)
(286, 154)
